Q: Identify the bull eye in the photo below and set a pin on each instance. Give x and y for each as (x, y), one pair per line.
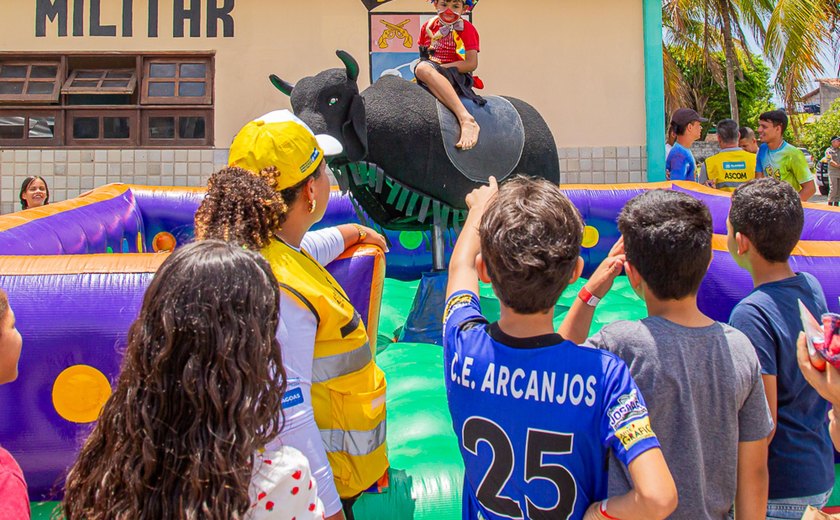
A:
(333, 101)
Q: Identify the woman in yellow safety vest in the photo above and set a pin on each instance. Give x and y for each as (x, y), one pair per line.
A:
(334, 406)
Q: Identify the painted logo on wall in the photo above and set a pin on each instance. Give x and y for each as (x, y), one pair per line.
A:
(393, 42)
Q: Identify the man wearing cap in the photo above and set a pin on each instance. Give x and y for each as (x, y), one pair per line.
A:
(334, 406)
(680, 164)
(832, 157)
(780, 160)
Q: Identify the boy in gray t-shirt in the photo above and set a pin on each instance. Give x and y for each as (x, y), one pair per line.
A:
(700, 378)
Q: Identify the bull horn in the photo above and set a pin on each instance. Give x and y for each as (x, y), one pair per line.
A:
(350, 64)
(283, 86)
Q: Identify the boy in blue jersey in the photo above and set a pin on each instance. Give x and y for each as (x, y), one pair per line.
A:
(765, 223)
(536, 415)
(680, 164)
(701, 378)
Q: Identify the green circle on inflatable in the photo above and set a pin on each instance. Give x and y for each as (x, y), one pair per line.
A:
(411, 240)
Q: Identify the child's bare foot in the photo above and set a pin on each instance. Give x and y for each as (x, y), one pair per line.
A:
(469, 134)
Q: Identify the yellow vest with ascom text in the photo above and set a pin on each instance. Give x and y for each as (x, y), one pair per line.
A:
(730, 169)
(348, 389)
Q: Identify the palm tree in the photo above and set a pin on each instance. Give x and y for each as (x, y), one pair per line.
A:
(792, 33)
(796, 31)
(709, 26)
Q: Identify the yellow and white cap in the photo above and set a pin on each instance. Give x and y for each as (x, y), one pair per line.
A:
(282, 140)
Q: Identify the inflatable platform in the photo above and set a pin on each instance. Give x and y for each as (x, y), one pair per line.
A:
(76, 270)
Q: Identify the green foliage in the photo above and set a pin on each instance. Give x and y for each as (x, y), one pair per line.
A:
(817, 136)
(710, 97)
(753, 95)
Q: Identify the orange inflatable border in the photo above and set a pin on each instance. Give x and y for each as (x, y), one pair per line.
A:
(811, 248)
(20, 218)
(123, 263)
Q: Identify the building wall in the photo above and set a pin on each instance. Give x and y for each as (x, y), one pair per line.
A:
(71, 172)
(580, 65)
(828, 94)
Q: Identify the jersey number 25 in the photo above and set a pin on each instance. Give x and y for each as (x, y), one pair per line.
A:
(539, 442)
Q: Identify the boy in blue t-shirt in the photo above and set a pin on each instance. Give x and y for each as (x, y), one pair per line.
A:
(764, 225)
(680, 164)
(536, 415)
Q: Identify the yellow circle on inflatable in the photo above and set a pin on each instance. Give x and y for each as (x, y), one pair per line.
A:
(79, 392)
(590, 237)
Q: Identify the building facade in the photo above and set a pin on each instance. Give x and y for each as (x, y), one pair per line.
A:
(153, 91)
(823, 96)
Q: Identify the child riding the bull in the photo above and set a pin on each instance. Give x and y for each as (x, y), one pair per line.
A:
(449, 47)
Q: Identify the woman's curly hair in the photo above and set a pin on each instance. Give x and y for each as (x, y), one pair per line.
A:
(199, 392)
(244, 208)
(240, 207)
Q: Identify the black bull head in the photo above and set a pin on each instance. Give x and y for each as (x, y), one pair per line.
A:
(396, 162)
(330, 103)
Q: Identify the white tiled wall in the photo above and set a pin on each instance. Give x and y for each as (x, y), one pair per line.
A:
(71, 172)
(606, 165)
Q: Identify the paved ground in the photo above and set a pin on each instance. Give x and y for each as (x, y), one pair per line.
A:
(819, 199)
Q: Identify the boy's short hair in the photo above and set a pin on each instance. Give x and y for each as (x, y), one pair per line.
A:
(746, 132)
(777, 117)
(668, 239)
(530, 242)
(770, 214)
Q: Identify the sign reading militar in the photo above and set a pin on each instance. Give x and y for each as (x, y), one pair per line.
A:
(57, 17)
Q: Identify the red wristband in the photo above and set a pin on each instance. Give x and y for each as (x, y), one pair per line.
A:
(602, 508)
(588, 298)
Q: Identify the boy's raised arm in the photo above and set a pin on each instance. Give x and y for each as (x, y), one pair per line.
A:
(576, 324)
(653, 497)
(462, 271)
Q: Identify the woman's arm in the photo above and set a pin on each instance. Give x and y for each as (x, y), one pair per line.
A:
(325, 245)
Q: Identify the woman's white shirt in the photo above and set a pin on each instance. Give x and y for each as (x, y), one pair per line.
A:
(296, 334)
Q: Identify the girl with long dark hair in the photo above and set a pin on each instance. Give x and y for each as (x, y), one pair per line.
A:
(276, 189)
(198, 397)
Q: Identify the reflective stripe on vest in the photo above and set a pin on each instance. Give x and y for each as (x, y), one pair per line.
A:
(356, 443)
(348, 389)
(330, 367)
